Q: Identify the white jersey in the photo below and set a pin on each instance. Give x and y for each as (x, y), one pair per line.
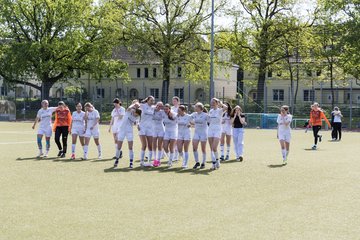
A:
(78, 121)
(174, 109)
(183, 122)
(129, 120)
(226, 120)
(170, 124)
(45, 117)
(116, 115)
(282, 121)
(200, 120)
(147, 113)
(158, 120)
(92, 118)
(215, 118)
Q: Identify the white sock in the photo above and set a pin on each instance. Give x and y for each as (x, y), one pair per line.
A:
(171, 157)
(142, 155)
(86, 149)
(117, 154)
(99, 149)
(196, 156)
(287, 153)
(283, 151)
(176, 154)
(150, 156)
(73, 148)
(154, 154)
(204, 158)
(228, 150)
(222, 150)
(213, 157)
(159, 155)
(186, 159)
(131, 155)
(216, 155)
(181, 154)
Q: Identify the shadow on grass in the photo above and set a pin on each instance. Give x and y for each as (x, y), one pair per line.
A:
(35, 158)
(103, 160)
(310, 149)
(276, 165)
(70, 160)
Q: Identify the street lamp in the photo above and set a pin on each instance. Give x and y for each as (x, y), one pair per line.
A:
(212, 85)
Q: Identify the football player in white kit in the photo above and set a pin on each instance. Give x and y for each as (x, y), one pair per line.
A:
(214, 133)
(200, 120)
(145, 127)
(77, 128)
(92, 119)
(44, 116)
(284, 131)
(184, 135)
(170, 122)
(158, 133)
(226, 133)
(117, 115)
(174, 108)
(131, 118)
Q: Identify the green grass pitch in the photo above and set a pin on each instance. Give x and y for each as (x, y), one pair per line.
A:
(316, 196)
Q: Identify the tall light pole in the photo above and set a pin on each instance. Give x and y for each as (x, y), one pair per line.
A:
(212, 85)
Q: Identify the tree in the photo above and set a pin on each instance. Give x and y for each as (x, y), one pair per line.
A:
(50, 41)
(268, 23)
(170, 30)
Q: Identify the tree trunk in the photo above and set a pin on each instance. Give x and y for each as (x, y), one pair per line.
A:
(45, 88)
(166, 79)
(297, 84)
(261, 85)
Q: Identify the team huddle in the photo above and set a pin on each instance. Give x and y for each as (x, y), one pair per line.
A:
(164, 130)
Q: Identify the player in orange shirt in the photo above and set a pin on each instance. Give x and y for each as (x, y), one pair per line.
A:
(62, 127)
(316, 117)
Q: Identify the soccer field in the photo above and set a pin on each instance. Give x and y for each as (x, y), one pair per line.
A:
(316, 196)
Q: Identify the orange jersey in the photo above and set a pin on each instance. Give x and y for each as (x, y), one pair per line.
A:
(316, 118)
(62, 118)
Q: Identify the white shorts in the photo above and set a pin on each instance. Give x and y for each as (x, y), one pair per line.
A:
(184, 135)
(214, 132)
(114, 129)
(92, 133)
(200, 135)
(227, 130)
(170, 135)
(128, 134)
(146, 131)
(45, 131)
(78, 131)
(158, 133)
(284, 136)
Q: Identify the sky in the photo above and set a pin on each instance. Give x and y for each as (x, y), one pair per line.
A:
(302, 7)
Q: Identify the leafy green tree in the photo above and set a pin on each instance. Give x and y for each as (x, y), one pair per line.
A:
(47, 41)
(170, 31)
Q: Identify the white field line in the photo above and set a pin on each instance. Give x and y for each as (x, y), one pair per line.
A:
(8, 143)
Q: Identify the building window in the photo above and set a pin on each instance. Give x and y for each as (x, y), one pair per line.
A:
(179, 72)
(179, 92)
(278, 95)
(138, 72)
(3, 90)
(154, 73)
(134, 94)
(154, 92)
(119, 93)
(270, 74)
(309, 95)
(100, 92)
(146, 72)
